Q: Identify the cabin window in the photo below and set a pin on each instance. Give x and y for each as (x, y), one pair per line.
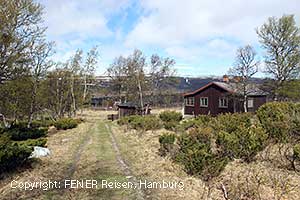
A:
(203, 101)
(189, 101)
(250, 103)
(223, 102)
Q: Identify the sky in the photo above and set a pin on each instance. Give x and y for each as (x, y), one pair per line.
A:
(202, 36)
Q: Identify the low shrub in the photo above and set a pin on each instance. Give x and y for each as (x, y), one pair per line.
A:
(2, 129)
(294, 159)
(296, 152)
(239, 135)
(145, 123)
(196, 155)
(170, 119)
(243, 143)
(18, 134)
(168, 116)
(203, 120)
(295, 117)
(166, 141)
(12, 154)
(123, 121)
(44, 123)
(230, 122)
(171, 125)
(278, 119)
(41, 142)
(34, 124)
(199, 121)
(148, 122)
(66, 123)
(167, 138)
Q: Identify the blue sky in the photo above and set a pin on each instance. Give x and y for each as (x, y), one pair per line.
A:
(201, 35)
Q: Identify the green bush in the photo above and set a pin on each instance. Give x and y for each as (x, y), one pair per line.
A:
(12, 154)
(145, 123)
(124, 120)
(198, 122)
(44, 123)
(18, 134)
(296, 152)
(167, 138)
(170, 119)
(171, 125)
(295, 117)
(148, 122)
(243, 143)
(41, 142)
(277, 119)
(2, 129)
(66, 123)
(230, 122)
(203, 120)
(168, 116)
(196, 155)
(239, 135)
(34, 124)
(166, 141)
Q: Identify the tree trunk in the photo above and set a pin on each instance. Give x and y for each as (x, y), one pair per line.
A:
(73, 96)
(245, 97)
(59, 99)
(32, 104)
(245, 104)
(234, 104)
(141, 95)
(84, 93)
(85, 89)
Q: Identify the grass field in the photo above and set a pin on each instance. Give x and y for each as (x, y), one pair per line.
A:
(101, 150)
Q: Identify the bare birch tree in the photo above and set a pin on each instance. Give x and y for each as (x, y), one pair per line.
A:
(88, 70)
(245, 67)
(39, 65)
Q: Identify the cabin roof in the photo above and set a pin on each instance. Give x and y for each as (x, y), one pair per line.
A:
(131, 105)
(252, 89)
(127, 105)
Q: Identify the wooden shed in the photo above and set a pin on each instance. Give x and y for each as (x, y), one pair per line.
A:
(130, 108)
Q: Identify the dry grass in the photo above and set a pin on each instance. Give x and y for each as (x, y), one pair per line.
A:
(88, 148)
(62, 145)
(158, 110)
(258, 180)
(142, 154)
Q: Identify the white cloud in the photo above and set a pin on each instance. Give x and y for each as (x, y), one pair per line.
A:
(190, 23)
(194, 32)
(213, 49)
(73, 23)
(74, 17)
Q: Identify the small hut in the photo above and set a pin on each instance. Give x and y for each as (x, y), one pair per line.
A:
(130, 108)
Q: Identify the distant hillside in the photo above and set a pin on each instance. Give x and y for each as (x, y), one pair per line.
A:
(183, 84)
(191, 84)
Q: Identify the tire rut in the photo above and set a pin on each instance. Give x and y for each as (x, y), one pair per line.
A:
(124, 166)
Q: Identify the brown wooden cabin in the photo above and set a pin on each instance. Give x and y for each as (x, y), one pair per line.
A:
(129, 108)
(220, 97)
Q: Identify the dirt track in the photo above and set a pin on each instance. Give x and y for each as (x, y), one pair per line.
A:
(89, 152)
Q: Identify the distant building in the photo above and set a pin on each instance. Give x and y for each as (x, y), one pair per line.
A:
(221, 97)
(129, 108)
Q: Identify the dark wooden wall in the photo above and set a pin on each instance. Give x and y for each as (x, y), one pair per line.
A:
(126, 111)
(213, 93)
(257, 102)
